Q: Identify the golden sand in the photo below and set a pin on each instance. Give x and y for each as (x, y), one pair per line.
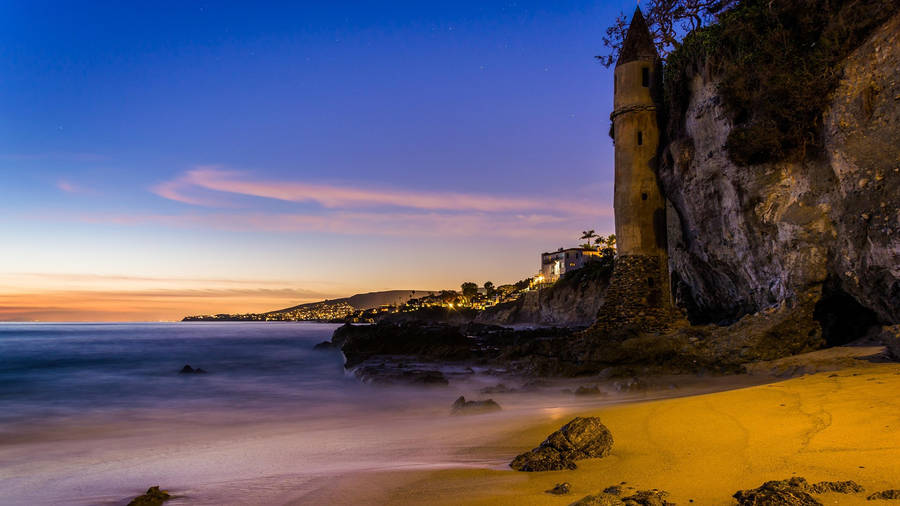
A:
(842, 425)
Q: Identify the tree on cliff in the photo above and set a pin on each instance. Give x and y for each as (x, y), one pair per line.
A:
(489, 289)
(469, 290)
(587, 235)
(668, 20)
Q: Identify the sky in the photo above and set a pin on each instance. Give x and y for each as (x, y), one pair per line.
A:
(161, 159)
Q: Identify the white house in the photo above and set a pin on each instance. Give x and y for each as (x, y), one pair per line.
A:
(561, 261)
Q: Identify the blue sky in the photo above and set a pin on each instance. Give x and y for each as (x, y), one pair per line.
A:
(320, 149)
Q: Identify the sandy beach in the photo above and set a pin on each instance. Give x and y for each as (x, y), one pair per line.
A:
(830, 425)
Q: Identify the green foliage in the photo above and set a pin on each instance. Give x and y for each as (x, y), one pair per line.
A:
(778, 63)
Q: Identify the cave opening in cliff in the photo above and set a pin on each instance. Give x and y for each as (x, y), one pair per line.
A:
(842, 317)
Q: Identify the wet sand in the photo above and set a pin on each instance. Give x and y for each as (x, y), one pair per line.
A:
(842, 425)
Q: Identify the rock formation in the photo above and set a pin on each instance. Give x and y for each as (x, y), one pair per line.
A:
(582, 438)
(742, 239)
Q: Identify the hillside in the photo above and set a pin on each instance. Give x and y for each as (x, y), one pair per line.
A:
(363, 301)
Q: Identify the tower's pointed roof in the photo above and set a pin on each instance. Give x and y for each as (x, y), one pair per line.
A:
(638, 43)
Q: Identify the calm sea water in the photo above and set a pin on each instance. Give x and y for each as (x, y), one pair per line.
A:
(57, 370)
(96, 413)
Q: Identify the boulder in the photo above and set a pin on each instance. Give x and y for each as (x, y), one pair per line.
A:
(325, 345)
(560, 489)
(885, 494)
(388, 374)
(648, 498)
(890, 337)
(463, 407)
(641, 498)
(186, 370)
(841, 487)
(601, 499)
(153, 497)
(792, 492)
(581, 438)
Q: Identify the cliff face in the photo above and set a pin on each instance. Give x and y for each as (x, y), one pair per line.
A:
(569, 303)
(742, 239)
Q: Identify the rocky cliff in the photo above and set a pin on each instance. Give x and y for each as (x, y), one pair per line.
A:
(746, 238)
(571, 302)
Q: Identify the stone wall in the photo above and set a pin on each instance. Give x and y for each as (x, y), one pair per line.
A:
(638, 296)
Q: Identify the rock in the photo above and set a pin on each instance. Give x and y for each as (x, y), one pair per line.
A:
(601, 499)
(571, 302)
(385, 374)
(325, 345)
(609, 497)
(153, 497)
(648, 498)
(885, 494)
(631, 385)
(841, 487)
(792, 492)
(614, 490)
(463, 407)
(743, 237)
(424, 340)
(581, 438)
(592, 390)
(199, 371)
(560, 489)
(186, 370)
(890, 337)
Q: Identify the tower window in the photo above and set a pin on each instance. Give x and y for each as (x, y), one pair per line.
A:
(643, 196)
(640, 138)
(645, 77)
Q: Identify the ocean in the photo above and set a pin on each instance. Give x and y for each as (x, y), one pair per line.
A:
(97, 413)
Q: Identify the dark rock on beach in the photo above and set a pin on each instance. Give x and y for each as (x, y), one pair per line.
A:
(601, 499)
(187, 369)
(641, 498)
(463, 407)
(840, 487)
(325, 345)
(885, 494)
(582, 438)
(648, 498)
(560, 489)
(792, 492)
(424, 340)
(153, 497)
(890, 337)
(389, 374)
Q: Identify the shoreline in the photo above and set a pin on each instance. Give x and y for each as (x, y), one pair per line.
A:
(702, 448)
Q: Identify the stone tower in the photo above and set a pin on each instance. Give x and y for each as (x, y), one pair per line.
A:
(639, 293)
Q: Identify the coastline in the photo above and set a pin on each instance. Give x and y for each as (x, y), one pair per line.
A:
(703, 448)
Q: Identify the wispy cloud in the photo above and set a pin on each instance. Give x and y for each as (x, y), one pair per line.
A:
(329, 196)
(361, 223)
(69, 187)
(356, 209)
